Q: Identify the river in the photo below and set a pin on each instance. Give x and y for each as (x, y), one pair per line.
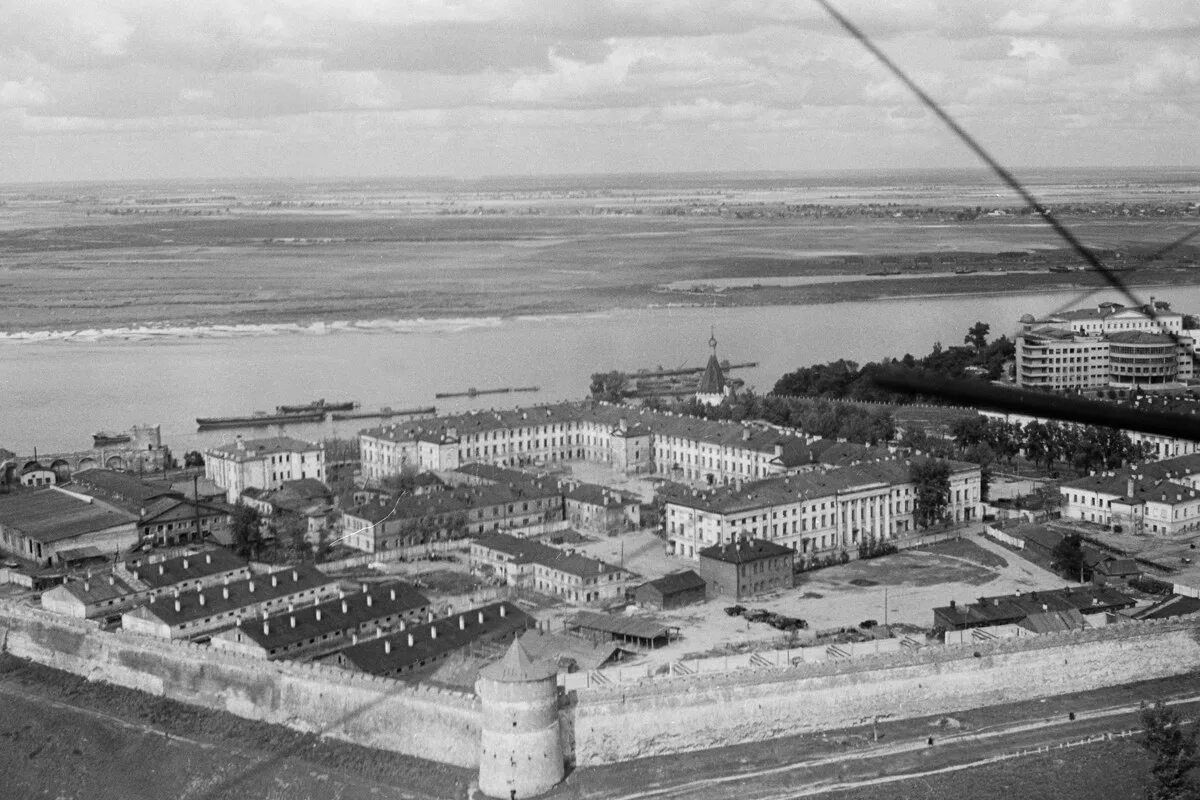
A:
(58, 392)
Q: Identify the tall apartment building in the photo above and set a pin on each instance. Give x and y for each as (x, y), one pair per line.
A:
(263, 464)
(815, 513)
(676, 446)
(1109, 345)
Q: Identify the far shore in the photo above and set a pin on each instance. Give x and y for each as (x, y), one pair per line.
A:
(308, 317)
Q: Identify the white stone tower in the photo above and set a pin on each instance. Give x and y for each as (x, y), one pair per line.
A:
(520, 750)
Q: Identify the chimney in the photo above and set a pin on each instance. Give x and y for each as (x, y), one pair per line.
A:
(295, 576)
(185, 564)
(745, 434)
(86, 586)
(1045, 607)
(393, 593)
(345, 608)
(433, 631)
(318, 615)
(160, 569)
(403, 625)
(952, 604)
(480, 617)
(1129, 487)
(266, 628)
(274, 580)
(410, 640)
(370, 601)
(225, 592)
(387, 646)
(251, 587)
(112, 581)
(354, 638)
(366, 588)
(503, 610)
(292, 620)
(462, 623)
(176, 604)
(201, 596)
(208, 558)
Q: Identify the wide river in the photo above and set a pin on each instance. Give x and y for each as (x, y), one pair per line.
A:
(58, 392)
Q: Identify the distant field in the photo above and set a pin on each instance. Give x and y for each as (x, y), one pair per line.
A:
(75, 271)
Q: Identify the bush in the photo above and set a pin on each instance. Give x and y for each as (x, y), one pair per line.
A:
(1150, 585)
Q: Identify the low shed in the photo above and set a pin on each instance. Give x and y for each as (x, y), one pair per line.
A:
(671, 591)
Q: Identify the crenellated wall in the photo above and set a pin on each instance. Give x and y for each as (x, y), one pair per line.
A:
(695, 712)
(423, 721)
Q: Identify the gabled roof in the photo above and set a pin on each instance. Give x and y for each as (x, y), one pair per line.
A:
(232, 596)
(744, 551)
(552, 648)
(392, 653)
(676, 582)
(52, 515)
(170, 571)
(254, 449)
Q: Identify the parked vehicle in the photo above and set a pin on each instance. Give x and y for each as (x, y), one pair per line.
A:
(758, 615)
(735, 611)
(786, 623)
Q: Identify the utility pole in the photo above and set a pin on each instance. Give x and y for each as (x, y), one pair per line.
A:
(196, 503)
(885, 607)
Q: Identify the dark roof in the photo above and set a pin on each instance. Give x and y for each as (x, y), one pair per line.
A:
(633, 627)
(392, 653)
(552, 648)
(240, 595)
(346, 613)
(1174, 606)
(1067, 619)
(122, 489)
(713, 379)
(676, 582)
(168, 572)
(1139, 337)
(596, 495)
(51, 515)
(1117, 566)
(1014, 608)
(456, 500)
(744, 551)
(526, 551)
(96, 589)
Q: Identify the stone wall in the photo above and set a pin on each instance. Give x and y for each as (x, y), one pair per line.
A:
(376, 712)
(696, 712)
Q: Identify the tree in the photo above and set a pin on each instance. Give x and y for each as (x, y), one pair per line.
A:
(977, 335)
(193, 458)
(931, 481)
(245, 529)
(1175, 751)
(609, 386)
(1068, 558)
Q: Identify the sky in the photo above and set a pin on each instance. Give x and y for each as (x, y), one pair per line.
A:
(133, 89)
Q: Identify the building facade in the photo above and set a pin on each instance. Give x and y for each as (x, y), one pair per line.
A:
(744, 568)
(816, 513)
(263, 464)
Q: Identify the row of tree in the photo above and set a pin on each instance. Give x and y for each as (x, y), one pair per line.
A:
(814, 416)
(845, 379)
(1082, 447)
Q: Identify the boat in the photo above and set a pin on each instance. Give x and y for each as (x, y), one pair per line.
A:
(1059, 268)
(106, 438)
(964, 270)
(473, 392)
(317, 405)
(385, 413)
(260, 419)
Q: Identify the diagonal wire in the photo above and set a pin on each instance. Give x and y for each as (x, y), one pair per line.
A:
(1001, 172)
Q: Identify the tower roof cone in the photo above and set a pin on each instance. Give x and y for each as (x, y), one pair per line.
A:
(517, 667)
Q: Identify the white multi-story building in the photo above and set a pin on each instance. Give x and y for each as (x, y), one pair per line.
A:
(1109, 345)
(1160, 498)
(814, 513)
(263, 464)
(683, 448)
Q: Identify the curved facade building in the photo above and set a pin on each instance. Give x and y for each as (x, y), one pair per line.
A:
(1138, 357)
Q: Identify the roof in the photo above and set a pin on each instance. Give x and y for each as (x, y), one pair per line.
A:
(526, 551)
(783, 489)
(253, 449)
(96, 589)
(490, 473)
(517, 667)
(596, 495)
(731, 435)
(343, 613)
(713, 379)
(744, 551)
(170, 571)
(457, 500)
(1013, 608)
(231, 596)
(1118, 566)
(51, 515)
(553, 648)
(1174, 606)
(1068, 619)
(391, 653)
(123, 489)
(1140, 337)
(632, 627)
(676, 582)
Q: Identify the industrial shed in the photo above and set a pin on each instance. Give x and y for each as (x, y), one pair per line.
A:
(671, 591)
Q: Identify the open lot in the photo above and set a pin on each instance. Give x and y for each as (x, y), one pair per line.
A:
(903, 588)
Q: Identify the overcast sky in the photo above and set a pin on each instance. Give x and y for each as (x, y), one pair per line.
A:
(278, 88)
